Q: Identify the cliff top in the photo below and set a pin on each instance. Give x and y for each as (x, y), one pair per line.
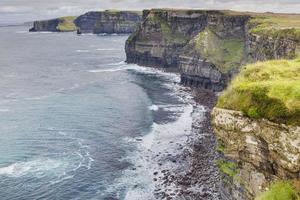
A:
(118, 11)
(67, 23)
(268, 90)
(270, 24)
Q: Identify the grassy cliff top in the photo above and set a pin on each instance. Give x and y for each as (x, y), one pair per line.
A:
(268, 90)
(114, 11)
(67, 24)
(270, 24)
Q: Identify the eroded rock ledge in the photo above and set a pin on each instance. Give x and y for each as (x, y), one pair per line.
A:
(265, 151)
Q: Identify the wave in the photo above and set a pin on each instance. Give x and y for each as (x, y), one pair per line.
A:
(37, 97)
(82, 51)
(36, 167)
(171, 77)
(20, 32)
(4, 110)
(106, 49)
(153, 107)
(161, 147)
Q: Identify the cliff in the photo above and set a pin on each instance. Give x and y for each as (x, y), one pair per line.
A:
(108, 21)
(257, 121)
(209, 47)
(62, 24)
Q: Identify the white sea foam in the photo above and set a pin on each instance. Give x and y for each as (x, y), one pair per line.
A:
(37, 97)
(36, 167)
(106, 49)
(153, 107)
(20, 32)
(106, 70)
(82, 51)
(155, 148)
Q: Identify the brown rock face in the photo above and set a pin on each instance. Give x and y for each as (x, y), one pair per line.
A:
(264, 150)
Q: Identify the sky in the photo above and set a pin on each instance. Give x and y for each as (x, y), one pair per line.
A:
(17, 11)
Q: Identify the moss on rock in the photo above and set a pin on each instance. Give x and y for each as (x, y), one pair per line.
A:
(227, 167)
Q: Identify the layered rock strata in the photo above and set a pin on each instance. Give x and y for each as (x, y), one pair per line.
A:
(265, 151)
(123, 22)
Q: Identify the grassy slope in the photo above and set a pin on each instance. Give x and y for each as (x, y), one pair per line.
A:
(283, 190)
(225, 53)
(268, 90)
(67, 24)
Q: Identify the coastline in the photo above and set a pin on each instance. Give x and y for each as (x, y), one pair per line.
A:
(178, 159)
(201, 180)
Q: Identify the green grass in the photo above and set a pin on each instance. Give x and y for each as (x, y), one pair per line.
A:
(276, 25)
(67, 24)
(268, 90)
(225, 53)
(282, 190)
(221, 147)
(228, 168)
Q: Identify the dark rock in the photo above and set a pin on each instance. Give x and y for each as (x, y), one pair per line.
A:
(120, 22)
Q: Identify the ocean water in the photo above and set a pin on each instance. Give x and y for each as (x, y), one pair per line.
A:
(77, 122)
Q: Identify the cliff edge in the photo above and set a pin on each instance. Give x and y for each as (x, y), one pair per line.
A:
(62, 24)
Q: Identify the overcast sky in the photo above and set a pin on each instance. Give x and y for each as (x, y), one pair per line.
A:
(27, 10)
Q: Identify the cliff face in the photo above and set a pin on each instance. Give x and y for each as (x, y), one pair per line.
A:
(160, 38)
(213, 55)
(265, 151)
(45, 25)
(208, 47)
(108, 22)
(63, 24)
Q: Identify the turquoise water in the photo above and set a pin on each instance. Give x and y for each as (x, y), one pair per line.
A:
(75, 120)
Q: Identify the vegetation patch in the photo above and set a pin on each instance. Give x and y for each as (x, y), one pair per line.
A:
(282, 190)
(228, 168)
(67, 24)
(268, 90)
(276, 25)
(225, 53)
(221, 147)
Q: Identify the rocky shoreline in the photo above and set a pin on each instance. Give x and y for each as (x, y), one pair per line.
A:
(196, 175)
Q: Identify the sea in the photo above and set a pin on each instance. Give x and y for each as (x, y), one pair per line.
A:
(78, 122)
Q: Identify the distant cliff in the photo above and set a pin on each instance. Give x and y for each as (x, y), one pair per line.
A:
(108, 21)
(209, 46)
(62, 24)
